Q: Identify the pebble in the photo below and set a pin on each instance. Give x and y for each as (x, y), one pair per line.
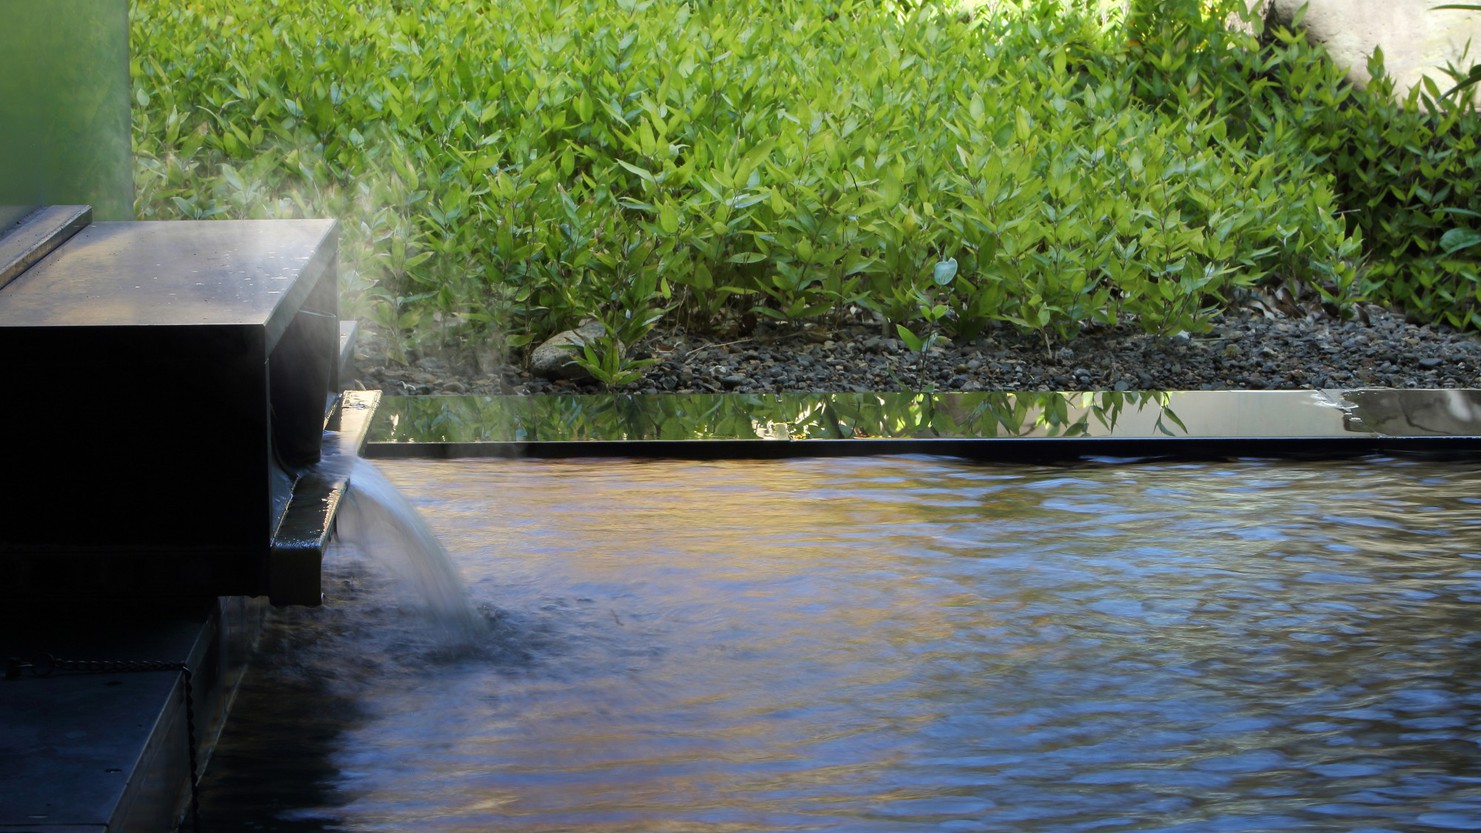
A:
(1249, 352)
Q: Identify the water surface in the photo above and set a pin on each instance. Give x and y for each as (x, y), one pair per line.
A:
(890, 644)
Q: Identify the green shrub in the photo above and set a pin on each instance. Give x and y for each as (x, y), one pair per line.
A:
(504, 170)
(1402, 169)
(1407, 172)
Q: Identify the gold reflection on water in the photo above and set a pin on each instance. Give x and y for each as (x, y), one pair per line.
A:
(738, 645)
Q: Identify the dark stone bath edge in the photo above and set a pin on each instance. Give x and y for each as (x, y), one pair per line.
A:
(1443, 424)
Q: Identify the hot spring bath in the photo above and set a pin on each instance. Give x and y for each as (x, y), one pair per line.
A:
(883, 644)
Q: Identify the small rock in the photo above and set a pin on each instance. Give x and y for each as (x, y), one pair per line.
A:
(1430, 362)
(555, 358)
(733, 381)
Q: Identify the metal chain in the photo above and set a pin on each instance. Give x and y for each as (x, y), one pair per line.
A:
(46, 665)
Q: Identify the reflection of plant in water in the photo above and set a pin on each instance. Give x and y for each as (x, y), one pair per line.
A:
(1023, 414)
(784, 416)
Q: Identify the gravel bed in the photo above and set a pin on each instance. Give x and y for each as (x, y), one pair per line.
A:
(1244, 351)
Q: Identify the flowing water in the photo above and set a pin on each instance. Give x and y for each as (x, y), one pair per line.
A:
(889, 644)
(377, 519)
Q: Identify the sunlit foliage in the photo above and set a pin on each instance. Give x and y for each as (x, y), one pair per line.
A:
(505, 169)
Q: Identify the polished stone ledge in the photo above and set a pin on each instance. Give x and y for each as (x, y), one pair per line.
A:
(1009, 426)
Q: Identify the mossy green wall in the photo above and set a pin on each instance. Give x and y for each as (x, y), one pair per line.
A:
(64, 107)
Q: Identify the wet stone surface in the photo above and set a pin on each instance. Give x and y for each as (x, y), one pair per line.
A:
(1243, 351)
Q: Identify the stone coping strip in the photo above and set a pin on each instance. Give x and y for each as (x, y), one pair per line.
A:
(1295, 424)
(38, 235)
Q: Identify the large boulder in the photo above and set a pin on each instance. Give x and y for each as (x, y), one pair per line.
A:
(1416, 39)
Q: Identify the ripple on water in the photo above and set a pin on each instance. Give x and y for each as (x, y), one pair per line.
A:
(892, 644)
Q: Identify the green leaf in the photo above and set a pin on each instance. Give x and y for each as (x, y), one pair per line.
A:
(911, 339)
(1458, 239)
(646, 174)
(668, 219)
(944, 272)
